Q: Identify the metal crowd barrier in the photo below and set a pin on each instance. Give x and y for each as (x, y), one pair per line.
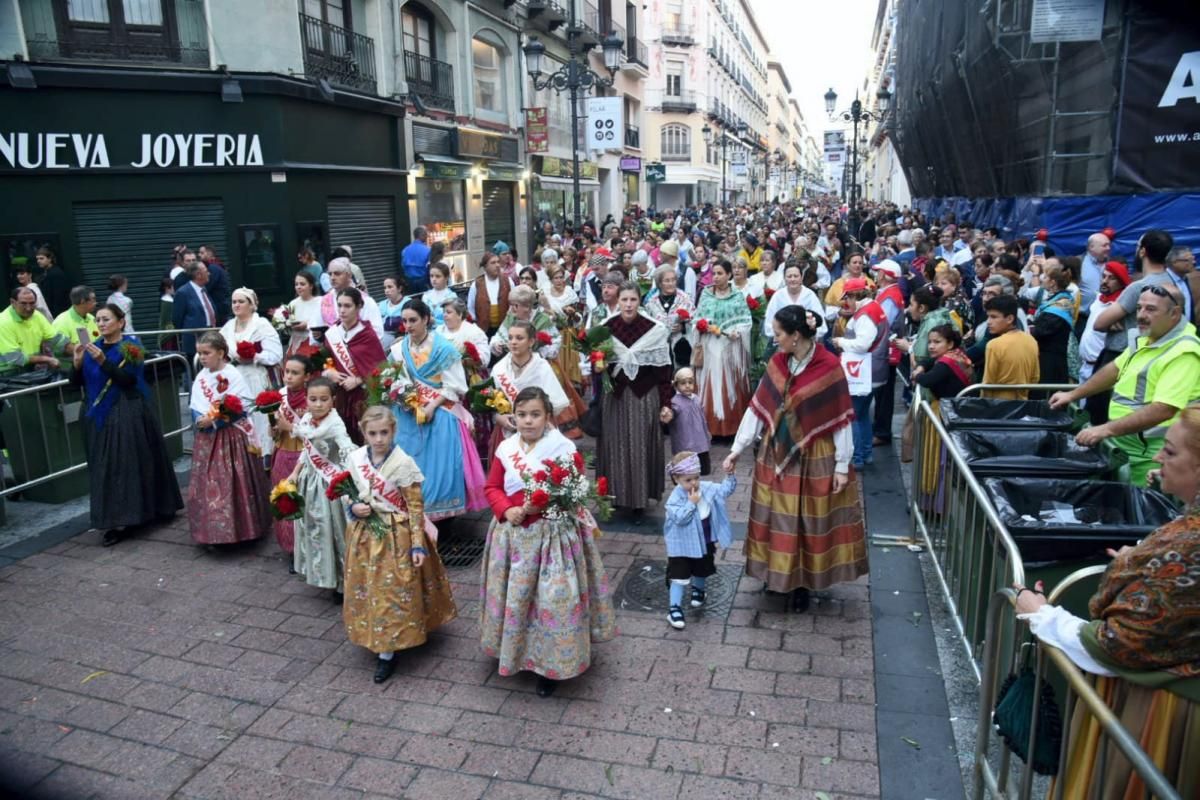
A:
(47, 429)
(977, 561)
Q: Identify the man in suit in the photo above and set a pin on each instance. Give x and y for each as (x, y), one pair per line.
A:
(193, 307)
(218, 288)
(1181, 266)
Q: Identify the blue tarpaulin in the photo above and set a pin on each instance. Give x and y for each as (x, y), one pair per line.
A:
(1071, 220)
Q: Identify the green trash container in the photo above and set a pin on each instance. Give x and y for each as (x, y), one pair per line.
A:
(164, 380)
(43, 433)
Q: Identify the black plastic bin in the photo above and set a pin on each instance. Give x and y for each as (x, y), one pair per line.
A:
(1050, 453)
(978, 412)
(1095, 515)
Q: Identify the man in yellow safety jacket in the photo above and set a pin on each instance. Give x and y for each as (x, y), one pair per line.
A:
(1152, 381)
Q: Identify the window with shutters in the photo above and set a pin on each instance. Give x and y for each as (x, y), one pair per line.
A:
(442, 210)
(676, 143)
(172, 31)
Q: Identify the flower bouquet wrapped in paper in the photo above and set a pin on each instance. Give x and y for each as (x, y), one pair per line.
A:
(561, 489)
(485, 397)
(342, 485)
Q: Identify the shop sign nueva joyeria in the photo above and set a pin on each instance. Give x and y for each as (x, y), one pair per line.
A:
(20, 150)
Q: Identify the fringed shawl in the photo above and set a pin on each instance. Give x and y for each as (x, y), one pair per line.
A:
(797, 409)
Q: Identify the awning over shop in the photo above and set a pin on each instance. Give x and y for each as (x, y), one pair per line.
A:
(567, 184)
(445, 167)
(504, 171)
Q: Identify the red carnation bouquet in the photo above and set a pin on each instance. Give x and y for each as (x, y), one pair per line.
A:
(758, 308)
(131, 353)
(268, 403)
(286, 501)
(560, 489)
(542, 339)
(683, 314)
(246, 351)
(227, 409)
(600, 354)
(342, 485)
(472, 363)
(704, 326)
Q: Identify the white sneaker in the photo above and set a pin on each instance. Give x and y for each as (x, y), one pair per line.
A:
(675, 618)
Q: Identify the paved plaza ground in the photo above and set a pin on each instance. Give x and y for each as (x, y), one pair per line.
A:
(161, 669)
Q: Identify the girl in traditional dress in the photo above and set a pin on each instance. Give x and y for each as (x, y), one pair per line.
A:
(305, 313)
(440, 441)
(629, 451)
(227, 495)
(806, 525)
(441, 293)
(545, 592)
(724, 364)
(670, 306)
(396, 587)
(521, 368)
(356, 352)
(320, 544)
(389, 309)
(523, 306)
(132, 478)
(255, 348)
(288, 446)
(567, 309)
(460, 330)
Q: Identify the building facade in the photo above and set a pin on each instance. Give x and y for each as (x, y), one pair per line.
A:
(880, 173)
(708, 70)
(611, 176)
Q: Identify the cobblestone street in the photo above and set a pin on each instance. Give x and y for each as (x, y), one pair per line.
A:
(158, 669)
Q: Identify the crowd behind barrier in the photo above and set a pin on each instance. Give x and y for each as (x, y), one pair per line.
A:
(978, 562)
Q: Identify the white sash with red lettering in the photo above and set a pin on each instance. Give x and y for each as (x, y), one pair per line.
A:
(337, 338)
(330, 427)
(210, 387)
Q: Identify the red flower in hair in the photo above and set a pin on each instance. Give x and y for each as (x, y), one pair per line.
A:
(539, 499)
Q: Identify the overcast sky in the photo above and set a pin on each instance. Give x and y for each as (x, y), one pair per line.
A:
(820, 43)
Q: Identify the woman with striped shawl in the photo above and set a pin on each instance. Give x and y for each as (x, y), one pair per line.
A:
(806, 521)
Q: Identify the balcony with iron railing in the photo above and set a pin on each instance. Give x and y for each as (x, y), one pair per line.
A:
(678, 34)
(633, 137)
(431, 80)
(685, 101)
(547, 14)
(181, 40)
(636, 52)
(338, 55)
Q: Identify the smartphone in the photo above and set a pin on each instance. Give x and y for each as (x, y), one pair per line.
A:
(1038, 248)
(84, 339)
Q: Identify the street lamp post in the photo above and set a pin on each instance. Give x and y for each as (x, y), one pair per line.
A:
(574, 76)
(708, 140)
(855, 115)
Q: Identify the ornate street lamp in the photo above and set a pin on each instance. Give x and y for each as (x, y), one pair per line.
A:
(708, 134)
(574, 77)
(855, 115)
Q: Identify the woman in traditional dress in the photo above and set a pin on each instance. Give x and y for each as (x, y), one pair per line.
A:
(356, 352)
(561, 301)
(461, 331)
(724, 358)
(629, 451)
(769, 280)
(256, 349)
(794, 293)
(304, 314)
(668, 306)
(741, 277)
(522, 367)
(389, 309)
(227, 492)
(1142, 642)
(320, 535)
(441, 293)
(288, 446)
(546, 342)
(396, 588)
(806, 524)
(131, 475)
(545, 592)
(439, 438)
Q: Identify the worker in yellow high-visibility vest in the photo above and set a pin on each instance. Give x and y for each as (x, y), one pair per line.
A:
(26, 337)
(1152, 381)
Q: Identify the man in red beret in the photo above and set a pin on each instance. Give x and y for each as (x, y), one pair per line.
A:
(1092, 353)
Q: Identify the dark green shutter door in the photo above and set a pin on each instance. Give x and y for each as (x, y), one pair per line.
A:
(498, 216)
(136, 239)
(368, 225)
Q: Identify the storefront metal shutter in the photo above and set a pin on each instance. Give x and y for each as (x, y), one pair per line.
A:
(498, 217)
(136, 240)
(368, 225)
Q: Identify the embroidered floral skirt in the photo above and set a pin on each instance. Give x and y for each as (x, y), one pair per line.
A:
(227, 492)
(320, 535)
(390, 604)
(545, 598)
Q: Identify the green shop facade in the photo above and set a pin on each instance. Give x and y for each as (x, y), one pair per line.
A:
(114, 168)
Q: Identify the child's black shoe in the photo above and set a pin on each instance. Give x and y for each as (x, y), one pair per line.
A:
(697, 598)
(675, 618)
